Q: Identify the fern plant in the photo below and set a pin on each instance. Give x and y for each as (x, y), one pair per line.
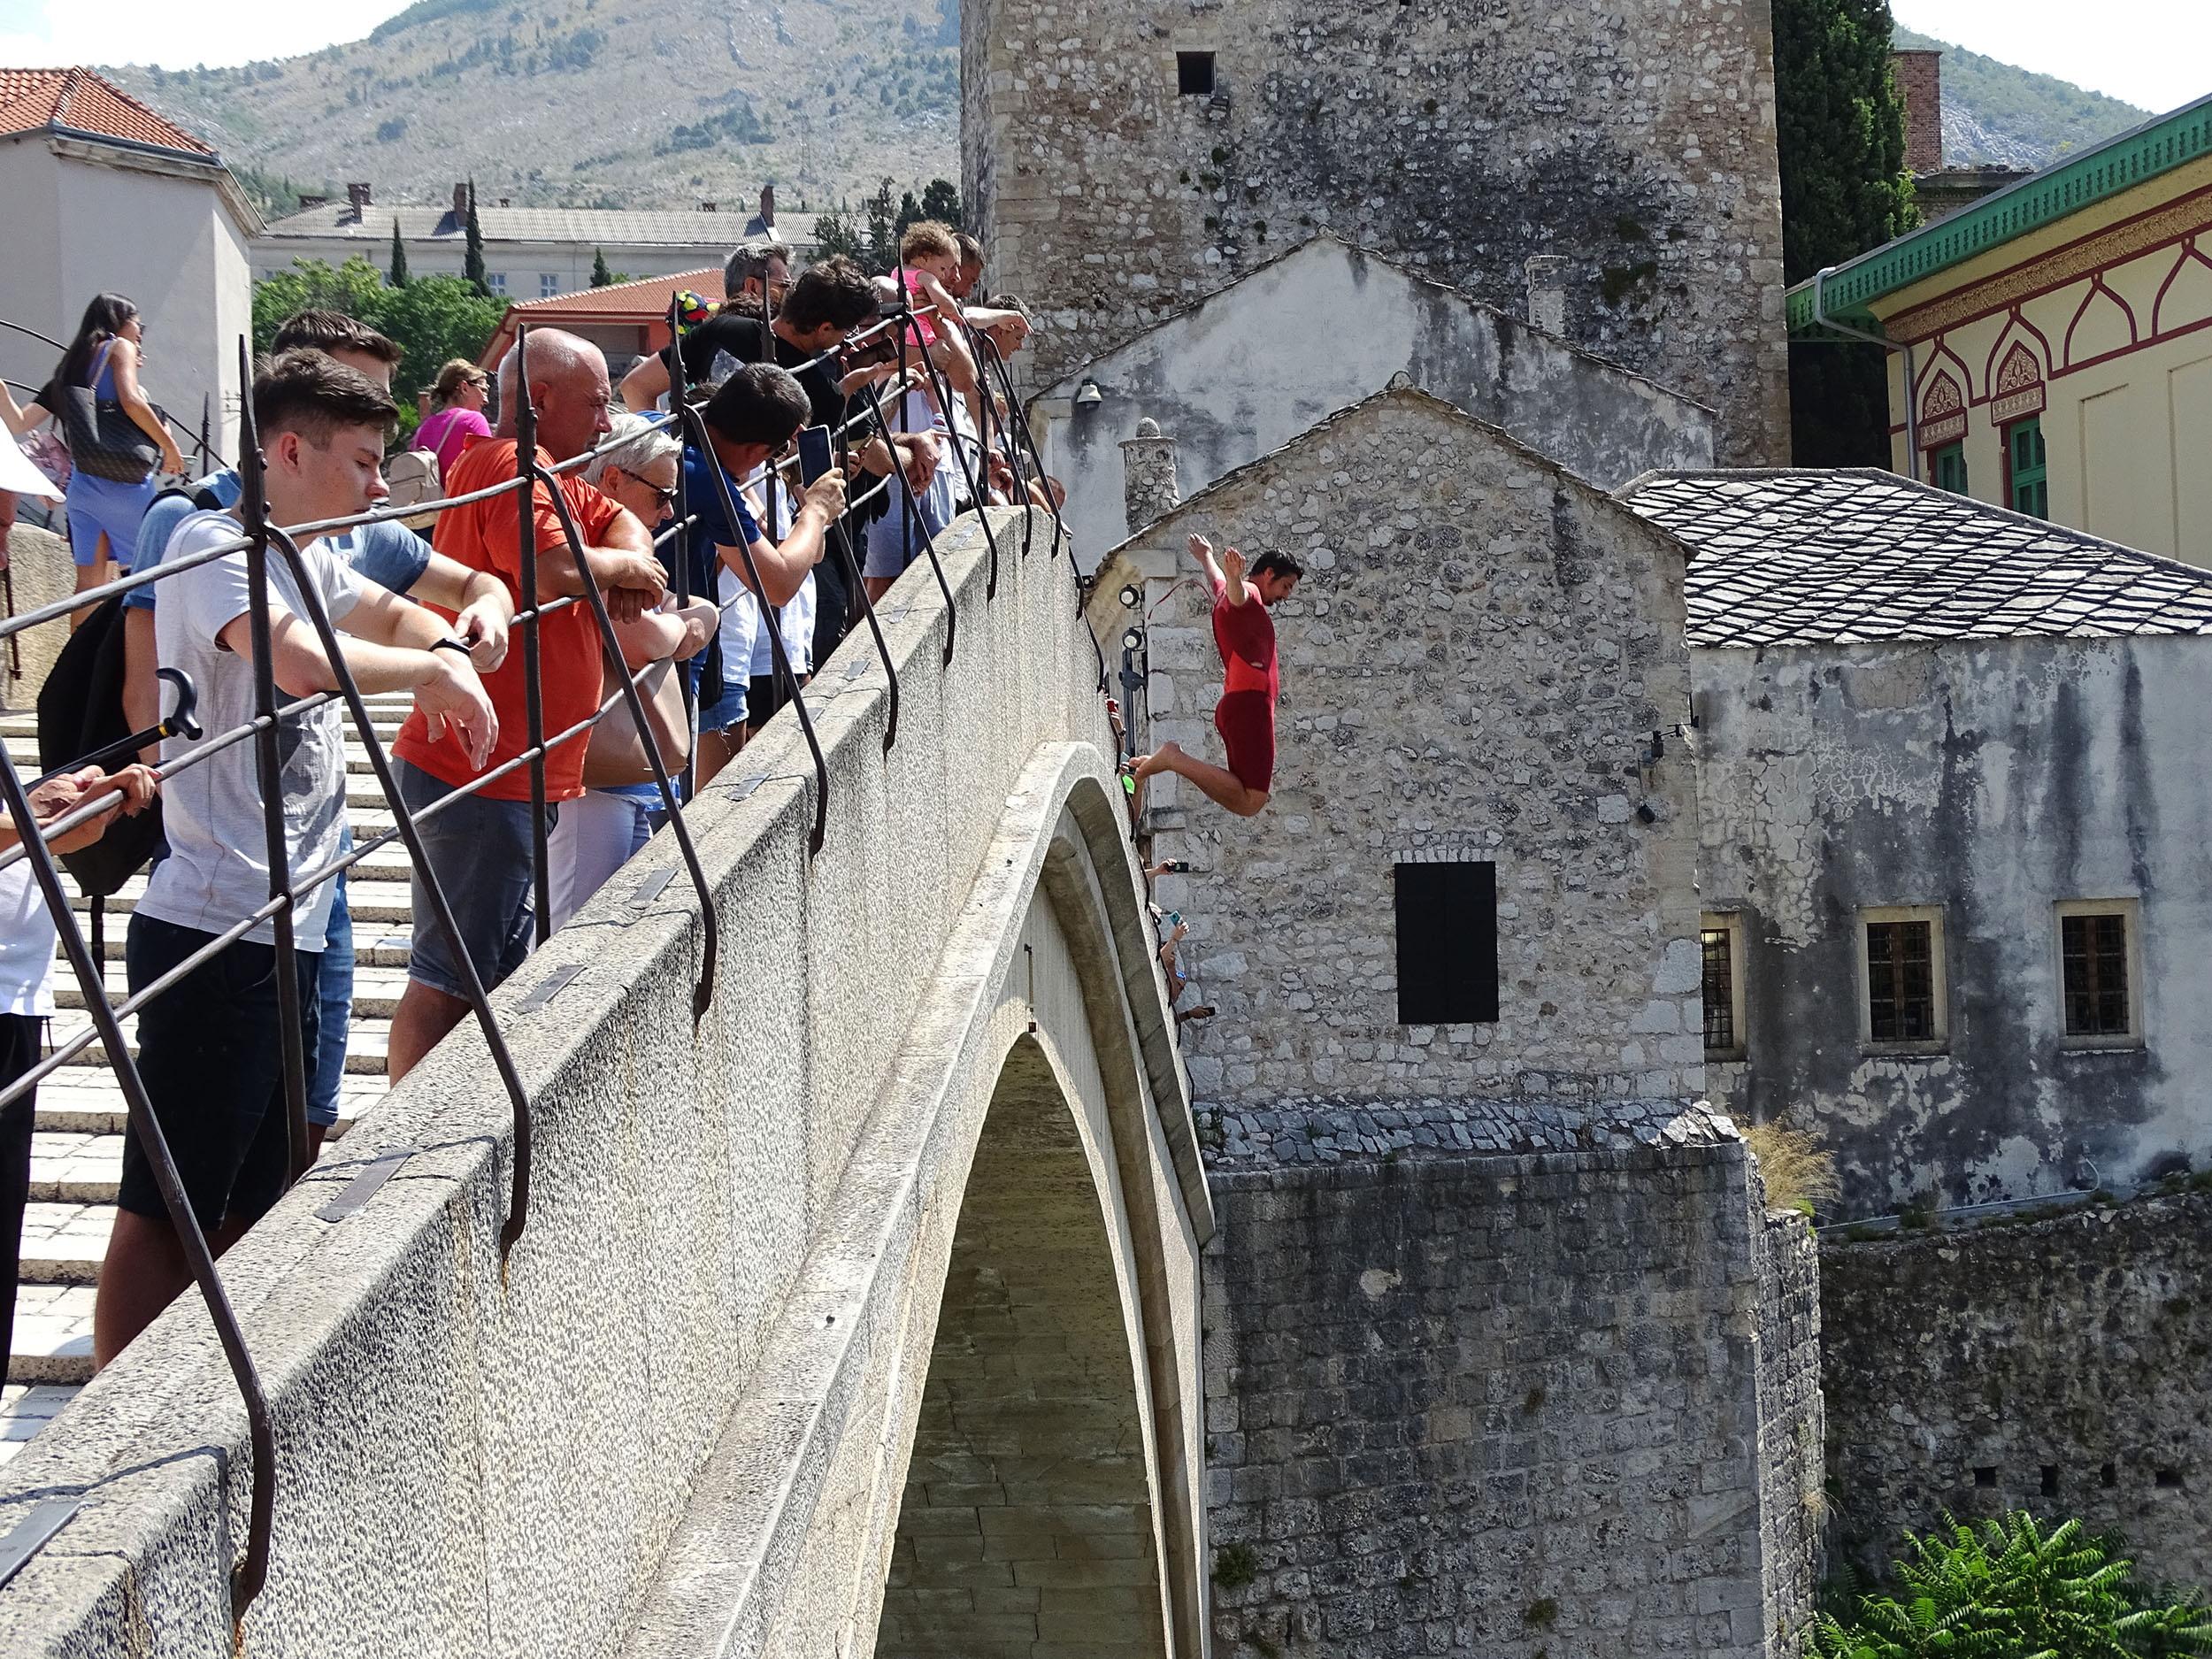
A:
(2011, 1589)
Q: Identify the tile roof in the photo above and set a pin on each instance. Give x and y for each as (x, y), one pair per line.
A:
(646, 298)
(604, 227)
(77, 99)
(1859, 555)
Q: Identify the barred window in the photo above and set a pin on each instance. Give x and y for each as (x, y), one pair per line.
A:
(1720, 937)
(1901, 999)
(2099, 972)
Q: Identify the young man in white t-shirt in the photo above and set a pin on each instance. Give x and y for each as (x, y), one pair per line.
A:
(209, 1049)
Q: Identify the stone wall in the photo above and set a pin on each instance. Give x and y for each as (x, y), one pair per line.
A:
(1219, 382)
(2057, 1366)
(1474, 668)
(1992, 780)
(1792, 1444)
(1528, 1403)
(1465, 137)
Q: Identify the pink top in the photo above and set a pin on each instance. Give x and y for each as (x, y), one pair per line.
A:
(925, 327)
(445, 431)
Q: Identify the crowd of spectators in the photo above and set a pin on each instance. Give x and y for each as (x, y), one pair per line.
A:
(732, 558)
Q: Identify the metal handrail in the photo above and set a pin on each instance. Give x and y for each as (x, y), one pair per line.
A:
(200, 441)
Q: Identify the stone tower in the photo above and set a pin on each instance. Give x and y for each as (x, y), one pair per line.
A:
(1126, 158)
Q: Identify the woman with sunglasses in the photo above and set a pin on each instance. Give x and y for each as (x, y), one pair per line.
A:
(457, 397)
(103, 511)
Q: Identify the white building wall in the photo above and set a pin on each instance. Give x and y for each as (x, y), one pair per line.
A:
(30, 274)
(523, 264)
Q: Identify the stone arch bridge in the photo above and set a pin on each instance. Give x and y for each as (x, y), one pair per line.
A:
(859, 1314)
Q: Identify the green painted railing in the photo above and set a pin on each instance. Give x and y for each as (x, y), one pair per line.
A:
(2118, 164)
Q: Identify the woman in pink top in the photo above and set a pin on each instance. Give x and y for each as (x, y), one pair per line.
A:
(458, 395)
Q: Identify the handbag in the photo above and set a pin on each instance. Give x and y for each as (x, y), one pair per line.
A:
(104, 441)
(616, 755)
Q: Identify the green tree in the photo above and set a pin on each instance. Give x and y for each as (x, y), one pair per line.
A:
(2011, 1590)
(399, 256)
(432, 317)
(1842, 135)
(601, 277)
(473, 257)
(833, 232)
(940, 200)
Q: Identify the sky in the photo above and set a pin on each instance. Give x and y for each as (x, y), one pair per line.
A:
(2155, 53)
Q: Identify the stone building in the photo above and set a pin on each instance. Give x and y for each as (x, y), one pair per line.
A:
(1951, 786)
(1315, 330)
(1484, 669)
(1123, 162)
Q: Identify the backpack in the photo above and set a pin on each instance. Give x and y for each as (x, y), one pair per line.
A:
(413, 476)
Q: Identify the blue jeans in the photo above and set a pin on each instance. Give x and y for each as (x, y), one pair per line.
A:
(334, 993)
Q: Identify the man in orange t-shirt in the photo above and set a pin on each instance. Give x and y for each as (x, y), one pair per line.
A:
(481, 847)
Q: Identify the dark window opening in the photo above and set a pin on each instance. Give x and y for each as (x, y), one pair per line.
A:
(1720, 989)
(1901, 982)
(2170, 1480)
(2095, 951)
(2050, 1480)
(1986, 1475)
(1948, 467)
(1448, 943)
(1193, 74)
(2108, 1475)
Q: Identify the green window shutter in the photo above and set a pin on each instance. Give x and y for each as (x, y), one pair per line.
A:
(2030, 474)
(1949, 468)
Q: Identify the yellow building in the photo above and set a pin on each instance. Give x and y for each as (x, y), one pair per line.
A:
(2057, 338)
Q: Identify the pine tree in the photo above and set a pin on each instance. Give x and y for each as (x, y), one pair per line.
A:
(1842, 131)
(472, 259)
(399, 256)
(601, 277)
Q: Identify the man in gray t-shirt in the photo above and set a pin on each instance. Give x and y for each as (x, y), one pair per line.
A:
(210, 1047)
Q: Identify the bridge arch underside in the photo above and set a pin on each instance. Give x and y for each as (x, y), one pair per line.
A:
(1029, 1512)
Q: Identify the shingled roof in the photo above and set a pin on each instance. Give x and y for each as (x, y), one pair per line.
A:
(1861, 555)
(78, 102)
(607, 227)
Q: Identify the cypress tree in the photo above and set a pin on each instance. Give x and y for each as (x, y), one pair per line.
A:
(601, 277)
(1842, 134)
(399, 256)
(472, 259)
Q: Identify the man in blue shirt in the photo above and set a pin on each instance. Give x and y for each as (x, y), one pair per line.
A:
(388, 554)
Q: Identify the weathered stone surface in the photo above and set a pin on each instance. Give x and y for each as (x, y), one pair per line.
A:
(2057, 1366)
(1466, 137)
(1510, 1405)
(1994, 779)
(1474, 667)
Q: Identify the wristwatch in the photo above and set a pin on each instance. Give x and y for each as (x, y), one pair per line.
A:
(449, 643)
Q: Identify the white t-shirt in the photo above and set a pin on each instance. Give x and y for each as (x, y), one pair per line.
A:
(740, 625)
(27, 944)
(217, 872)
(796, 617)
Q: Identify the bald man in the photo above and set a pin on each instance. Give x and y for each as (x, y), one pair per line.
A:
(480, 845)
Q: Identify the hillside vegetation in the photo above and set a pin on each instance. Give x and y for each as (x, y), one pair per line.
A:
(1993, 113)
(595, 103)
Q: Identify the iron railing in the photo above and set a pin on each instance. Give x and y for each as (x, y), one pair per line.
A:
(257, 538)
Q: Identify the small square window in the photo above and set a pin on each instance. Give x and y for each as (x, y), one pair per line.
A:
(2099, 972)
(496, 280)
(1193, 74)
(1447, 942)
(1986, 1475)
(1901, 979)
(548, 284)
(1720, 937)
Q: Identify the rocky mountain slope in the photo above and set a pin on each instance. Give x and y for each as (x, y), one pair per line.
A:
(597, 102)
(1993, 113)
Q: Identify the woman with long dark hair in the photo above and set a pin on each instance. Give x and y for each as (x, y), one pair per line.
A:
(110, 491)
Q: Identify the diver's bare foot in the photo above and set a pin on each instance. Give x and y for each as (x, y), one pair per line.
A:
(1142, 767)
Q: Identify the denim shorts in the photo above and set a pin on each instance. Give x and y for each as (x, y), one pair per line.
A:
(725, 712)
(481, 852)
(214, 1066)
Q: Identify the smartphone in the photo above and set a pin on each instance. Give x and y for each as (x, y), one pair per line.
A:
(1177, 866)
(815, 454)
(1174, 920)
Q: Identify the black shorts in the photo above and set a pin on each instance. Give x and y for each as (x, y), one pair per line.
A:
(213, 1064)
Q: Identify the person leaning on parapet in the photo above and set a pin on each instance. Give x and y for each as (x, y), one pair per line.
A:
(208, 1047)
(480, 848)
(749, 420)
(759, 269)
(388, 554)
(1244, 717)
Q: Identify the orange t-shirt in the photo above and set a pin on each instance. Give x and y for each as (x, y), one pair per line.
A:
(482, 536)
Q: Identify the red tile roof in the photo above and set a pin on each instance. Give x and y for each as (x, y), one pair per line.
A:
(80, 100)
(641, 302)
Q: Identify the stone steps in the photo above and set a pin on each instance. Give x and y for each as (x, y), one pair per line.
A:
(77, 1147)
